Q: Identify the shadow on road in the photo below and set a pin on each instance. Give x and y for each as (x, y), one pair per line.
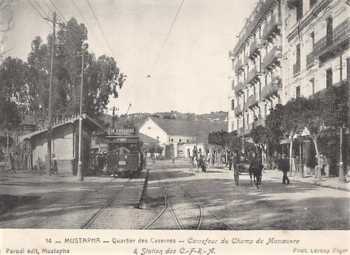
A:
(276, 206)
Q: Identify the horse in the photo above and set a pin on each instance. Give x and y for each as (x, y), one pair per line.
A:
(252, 174)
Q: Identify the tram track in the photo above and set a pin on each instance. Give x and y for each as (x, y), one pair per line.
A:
(169, 207)
(91, 220)
(83, 198)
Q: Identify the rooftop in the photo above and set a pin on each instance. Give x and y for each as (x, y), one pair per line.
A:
(190, 128)
(259, 12)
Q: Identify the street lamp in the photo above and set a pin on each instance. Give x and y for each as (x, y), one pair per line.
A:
(80, 170)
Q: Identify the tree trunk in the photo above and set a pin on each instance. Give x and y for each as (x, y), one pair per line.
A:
(318, 167)
(291, 159)
(341, 160)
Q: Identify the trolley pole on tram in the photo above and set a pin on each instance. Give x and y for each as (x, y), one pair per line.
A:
(80, 164)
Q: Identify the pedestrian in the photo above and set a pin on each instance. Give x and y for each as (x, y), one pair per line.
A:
(258, 170)
(202, 164)
(284, 167)
(230, 156)
(12, 162)
(235, 163)
(252, 168)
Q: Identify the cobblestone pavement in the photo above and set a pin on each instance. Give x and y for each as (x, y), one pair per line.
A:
(195, 200)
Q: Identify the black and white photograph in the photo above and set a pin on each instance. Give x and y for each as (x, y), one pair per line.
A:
(197, 115)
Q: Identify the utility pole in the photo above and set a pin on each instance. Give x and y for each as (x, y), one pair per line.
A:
(49, 130)
(80, 167)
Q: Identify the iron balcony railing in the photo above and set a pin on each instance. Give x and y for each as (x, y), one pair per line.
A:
(259, 122)
(238, 110)
(239, 65)
(254, 48)
(251, 101)
(331, 43)
(310, 60)
(271, 88)
(239, 86)
(253, 74)
(273, 56)
(296, 69)
(271, 27)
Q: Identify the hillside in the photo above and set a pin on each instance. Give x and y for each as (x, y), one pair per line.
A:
(134, 119)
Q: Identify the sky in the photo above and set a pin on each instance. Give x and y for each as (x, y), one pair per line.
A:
(188, 72)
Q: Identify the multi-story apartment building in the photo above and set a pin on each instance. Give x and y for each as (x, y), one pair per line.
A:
(317, 46)
(287, 49)
(256, 61)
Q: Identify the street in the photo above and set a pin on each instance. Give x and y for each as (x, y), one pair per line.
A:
(177, 197)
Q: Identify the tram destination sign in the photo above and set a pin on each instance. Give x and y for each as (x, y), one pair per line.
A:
(122, 131)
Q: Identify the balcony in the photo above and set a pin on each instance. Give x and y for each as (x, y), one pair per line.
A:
(239, 86)
(310, 60)
(272, 58)
(240, 131)
(252, 101)
(254, 48)
(296, 69)
(323, 93)
(329, 46)
(259, 122)
(248, 128)
(272, 88)
(271, 28)
(252, 75)
(239, 66)
(293, 3)
(238, 110)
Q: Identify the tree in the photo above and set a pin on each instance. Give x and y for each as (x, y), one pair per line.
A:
(325, 111)
(102, 76)
(224, 139)
(13, 92)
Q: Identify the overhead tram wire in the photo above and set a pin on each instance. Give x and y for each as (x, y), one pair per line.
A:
(37, 9)
(168, 34)
(81, 13)
(99, 26)
(58, 11)
(52, 10)
(42, 10)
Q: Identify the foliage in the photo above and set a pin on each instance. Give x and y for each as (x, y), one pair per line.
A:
(155, 148)
(27, 83)
(260, 135)
(12, 89)
(225, 139)
(9, 117)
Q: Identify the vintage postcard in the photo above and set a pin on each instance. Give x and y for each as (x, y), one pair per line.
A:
(194, 127)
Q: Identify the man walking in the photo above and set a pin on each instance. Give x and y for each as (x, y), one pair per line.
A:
(284, 167)
(235, 161)
(230, 156)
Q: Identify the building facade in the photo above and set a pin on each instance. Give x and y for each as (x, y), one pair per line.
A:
(64, 144)
(256, 61)
(287, 49)
(179, 137)
(317, 49)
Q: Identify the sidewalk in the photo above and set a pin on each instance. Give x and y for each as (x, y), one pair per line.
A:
(327, 182)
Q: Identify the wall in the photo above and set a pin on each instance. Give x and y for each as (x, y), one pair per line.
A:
(317, 73)
(151, 129)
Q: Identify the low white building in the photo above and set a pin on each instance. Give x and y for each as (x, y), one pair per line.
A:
(178, 137)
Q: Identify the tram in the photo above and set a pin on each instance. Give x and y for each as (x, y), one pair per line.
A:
(124, 157)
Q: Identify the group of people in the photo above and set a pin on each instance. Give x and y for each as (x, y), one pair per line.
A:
(236, 161)
(199, 159)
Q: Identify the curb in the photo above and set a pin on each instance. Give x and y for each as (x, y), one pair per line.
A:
(323, 185)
